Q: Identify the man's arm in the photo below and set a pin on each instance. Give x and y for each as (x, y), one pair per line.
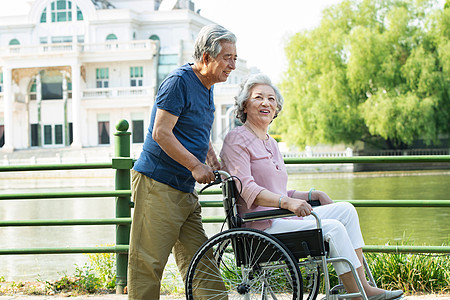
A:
(163, 135)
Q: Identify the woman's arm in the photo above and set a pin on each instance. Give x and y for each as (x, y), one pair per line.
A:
(315, 195)
(299, 207)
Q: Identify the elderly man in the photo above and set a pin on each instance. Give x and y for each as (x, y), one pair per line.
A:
(167, 213)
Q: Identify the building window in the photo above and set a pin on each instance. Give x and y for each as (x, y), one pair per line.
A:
(2, 135)
(61, 11)
(48, 134)
(103, 129)
(59, 134)
(79, 14)
(137, 131)
(14, 42)
(111, 37)
(167, 63)
(102, 76)
(33, 90)
(70, 133)
(51, 86)
(136, 76)
(110, 41)
(53, 135)
(34, 135)
(61, 39)
(44, 16)
(33, 86)
(103, 132)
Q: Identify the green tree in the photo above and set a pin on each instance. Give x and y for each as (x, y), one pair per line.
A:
(372, 69)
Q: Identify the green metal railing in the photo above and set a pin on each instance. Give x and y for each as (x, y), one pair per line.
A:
(122, 163)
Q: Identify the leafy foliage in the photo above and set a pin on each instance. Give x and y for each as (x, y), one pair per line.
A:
(99, 273)
(104, 266)
(84, 281)
(372, 69)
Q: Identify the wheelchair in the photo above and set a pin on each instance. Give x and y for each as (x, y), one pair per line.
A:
(245, 263)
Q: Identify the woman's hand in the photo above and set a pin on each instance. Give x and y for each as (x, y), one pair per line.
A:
(299, 207)
(322, 197)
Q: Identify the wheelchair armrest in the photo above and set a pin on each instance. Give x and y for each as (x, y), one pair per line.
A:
(275, 213)
(267, 214)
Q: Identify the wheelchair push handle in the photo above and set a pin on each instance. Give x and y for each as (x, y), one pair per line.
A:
(221, 172)
(218, 180)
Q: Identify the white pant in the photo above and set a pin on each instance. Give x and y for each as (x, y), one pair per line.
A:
(340, 226)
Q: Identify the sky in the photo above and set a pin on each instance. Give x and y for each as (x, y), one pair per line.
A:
(262, 27)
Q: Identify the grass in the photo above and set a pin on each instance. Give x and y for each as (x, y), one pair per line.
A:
(413, 273)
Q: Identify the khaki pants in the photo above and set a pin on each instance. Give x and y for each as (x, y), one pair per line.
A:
(164, 218)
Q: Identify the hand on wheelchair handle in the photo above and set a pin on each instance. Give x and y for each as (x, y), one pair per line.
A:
(203, 173)
(217, 180)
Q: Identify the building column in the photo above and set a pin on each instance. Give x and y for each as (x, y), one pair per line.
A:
(8, 110)
(76, 106)
(65, 99)
(40, 142)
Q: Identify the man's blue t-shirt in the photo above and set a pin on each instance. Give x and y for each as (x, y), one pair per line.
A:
(183, 95)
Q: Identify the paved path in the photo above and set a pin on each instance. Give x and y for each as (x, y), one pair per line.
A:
(124, 297)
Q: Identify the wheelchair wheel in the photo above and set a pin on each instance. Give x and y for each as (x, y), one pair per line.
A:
(243, 264)
(311, 279)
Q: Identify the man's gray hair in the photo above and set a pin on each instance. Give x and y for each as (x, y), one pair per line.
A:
(209, 39)
(244, 94)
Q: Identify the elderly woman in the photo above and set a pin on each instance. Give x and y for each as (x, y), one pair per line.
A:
(253, 156)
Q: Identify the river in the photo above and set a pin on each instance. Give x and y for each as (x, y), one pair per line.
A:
(414, 226)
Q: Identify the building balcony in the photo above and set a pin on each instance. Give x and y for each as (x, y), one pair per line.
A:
(109, 94)
(142, 49)
(117, 92)
(226, 89)
(118, 97)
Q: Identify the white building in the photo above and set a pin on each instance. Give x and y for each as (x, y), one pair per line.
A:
(71, 69)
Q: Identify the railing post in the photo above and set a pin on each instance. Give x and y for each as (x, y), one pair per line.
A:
(123, 204)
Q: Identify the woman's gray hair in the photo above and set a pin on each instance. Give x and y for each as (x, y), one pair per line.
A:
(209, 39)
(244, 95)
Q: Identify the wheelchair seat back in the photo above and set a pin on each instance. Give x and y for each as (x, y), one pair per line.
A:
(231, 194)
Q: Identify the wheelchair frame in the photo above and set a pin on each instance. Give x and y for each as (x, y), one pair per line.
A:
(260, 261)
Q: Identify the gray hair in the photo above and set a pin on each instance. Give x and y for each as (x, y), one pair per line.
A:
(244, 95)
(209, 39)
